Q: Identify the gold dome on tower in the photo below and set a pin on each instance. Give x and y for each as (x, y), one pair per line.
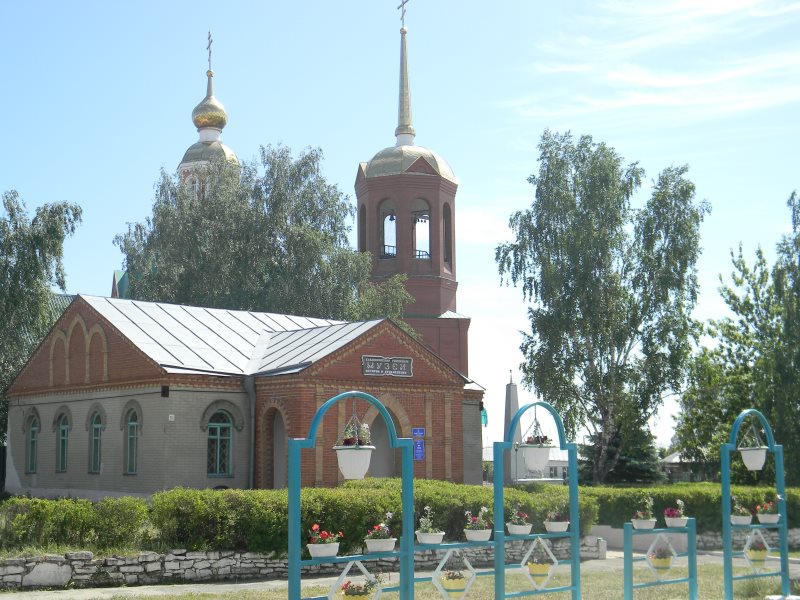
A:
(210, 112)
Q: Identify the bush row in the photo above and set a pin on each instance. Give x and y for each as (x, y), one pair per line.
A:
(703, 502)
(255, 520)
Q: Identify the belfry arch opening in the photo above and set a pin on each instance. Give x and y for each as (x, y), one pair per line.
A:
(421, 228)
(387, 214)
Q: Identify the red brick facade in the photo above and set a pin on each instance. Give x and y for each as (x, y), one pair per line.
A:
(85, 362)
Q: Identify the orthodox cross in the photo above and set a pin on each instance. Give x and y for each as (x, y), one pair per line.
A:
(209, 47)
(402, 8)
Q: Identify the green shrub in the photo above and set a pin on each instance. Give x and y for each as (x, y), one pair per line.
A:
(119, 521)
(703, 502)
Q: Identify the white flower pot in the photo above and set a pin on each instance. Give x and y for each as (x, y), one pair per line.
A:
(386, 545)
(754, 458)
(477, 535)
(676, 521)
(323, 550)
(536, 457)
(353, 460)
(519, 529)
(430, 538)
(741, 519)
(556, 526)
(643, 523)
(769, 519)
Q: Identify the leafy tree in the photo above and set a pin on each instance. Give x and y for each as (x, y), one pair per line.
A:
(611, 287)
(270, 236)
(31, 254)
(756, 362)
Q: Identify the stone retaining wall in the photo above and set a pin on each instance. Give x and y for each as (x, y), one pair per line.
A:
(82, 569)
(713, 540)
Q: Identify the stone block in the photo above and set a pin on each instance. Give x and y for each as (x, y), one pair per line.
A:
(149, 557)
(223, 562)
(11, 570)
(196, 556)
(83, 555)
(172, 565)
(55, 558)
(152, 566)
(12, 579)
(212, 555)
(84, 570)
(48, 574)
(131, 579)
(131, 569)
(178, 551)
(202, 564)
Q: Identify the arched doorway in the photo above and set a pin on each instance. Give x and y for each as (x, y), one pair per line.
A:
(384, 462)
(274, 463)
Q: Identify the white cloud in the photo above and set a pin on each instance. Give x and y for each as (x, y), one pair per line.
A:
(703, 59)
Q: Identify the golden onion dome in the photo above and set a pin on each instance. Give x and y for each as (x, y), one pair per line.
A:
(210, 112)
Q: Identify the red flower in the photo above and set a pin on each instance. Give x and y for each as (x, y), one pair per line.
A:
(315, 527)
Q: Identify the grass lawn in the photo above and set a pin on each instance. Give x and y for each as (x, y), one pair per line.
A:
(596, 585)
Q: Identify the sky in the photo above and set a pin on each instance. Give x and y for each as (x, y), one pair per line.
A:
(96, 99)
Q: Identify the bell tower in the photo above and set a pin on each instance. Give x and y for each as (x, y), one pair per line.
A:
(406, 218)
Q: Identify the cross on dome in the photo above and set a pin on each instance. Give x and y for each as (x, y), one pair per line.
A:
(402, 8)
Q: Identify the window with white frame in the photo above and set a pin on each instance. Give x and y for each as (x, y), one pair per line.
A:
(95, 446)
(131, 442)
(32, 447)
(62, 446)
(220, 441)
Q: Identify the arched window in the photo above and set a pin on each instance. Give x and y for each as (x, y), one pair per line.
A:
(421, 228)
(131, 442)
(95, 450)
(32, 446)
(220, 441)
(447, 225)
(62, 446)
(388, 221)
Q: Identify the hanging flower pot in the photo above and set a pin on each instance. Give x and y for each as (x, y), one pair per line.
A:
(354, 450)
(536, 451)
(757, 557)
(455, 583)
(754, 458)
(539, 572)
(354, 460)
(661, 564)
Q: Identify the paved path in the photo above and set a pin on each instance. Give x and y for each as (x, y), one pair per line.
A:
(614, 561)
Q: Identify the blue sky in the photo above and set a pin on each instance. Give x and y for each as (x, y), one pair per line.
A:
(97, 98)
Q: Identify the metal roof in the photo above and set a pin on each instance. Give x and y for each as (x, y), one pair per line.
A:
(192, 339)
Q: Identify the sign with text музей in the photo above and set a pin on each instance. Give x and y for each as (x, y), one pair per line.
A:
(391, 367)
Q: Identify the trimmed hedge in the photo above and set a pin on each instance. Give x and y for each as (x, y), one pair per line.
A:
(71, 522)
(255, 520)
(703, 502)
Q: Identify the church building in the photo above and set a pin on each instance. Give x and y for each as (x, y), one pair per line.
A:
(125, 397)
